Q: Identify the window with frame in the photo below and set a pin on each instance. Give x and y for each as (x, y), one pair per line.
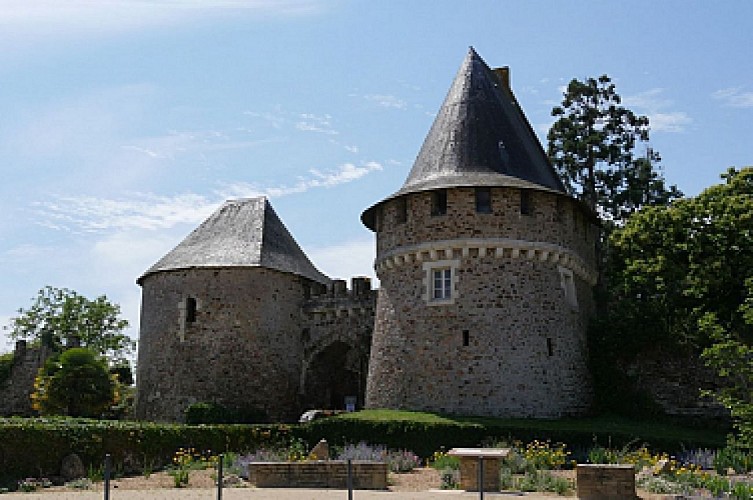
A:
(440, 282)
(483, 200)
(439, 202)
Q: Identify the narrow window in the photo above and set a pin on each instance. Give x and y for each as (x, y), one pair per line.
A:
(567, 282)
(559, 209)
(190, 309)
(439, 202)
(483, 200)
(549, 347)
(526, 204)
(306, 335)
(466, 338)
(402, 210)
(442, 289)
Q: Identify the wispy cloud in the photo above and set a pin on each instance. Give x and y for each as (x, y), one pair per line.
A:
(314, 123)
(78, 17)
(653, 104)
(145, 211)
(386, 101)
(735, 97)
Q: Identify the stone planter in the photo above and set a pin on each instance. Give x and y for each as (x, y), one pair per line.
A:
(318, 474)
(599, 481)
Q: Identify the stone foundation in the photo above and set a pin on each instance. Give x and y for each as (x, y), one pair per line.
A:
(598, 481)
(320, 474)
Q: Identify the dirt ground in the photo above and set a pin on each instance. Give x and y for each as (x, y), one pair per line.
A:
(421, 484)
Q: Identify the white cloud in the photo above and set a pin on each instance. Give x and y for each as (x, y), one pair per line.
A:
(314, 123)
(75, 18)
(386, 101)
(652, 103)
(346, 259)
(734, 97)
(145, 211)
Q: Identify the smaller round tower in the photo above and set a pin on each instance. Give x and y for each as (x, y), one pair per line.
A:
(221, 317)
(486, 267)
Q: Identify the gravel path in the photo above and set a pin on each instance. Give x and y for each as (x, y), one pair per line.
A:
(266, 494)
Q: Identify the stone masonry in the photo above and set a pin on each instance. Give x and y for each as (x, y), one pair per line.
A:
(511, 344)
(15, 392)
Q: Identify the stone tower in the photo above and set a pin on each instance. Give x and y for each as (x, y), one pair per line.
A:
(221, 317)
(486, 268)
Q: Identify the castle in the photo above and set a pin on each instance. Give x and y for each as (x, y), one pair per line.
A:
(486, 268)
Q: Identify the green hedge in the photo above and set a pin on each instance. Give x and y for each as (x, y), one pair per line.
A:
(425, 433)
(36, 447)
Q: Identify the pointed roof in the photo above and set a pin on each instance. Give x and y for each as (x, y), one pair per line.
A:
(480, 137)
(241, 233)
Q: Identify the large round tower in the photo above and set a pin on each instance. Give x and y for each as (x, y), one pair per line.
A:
(221, 317)
(486, 267)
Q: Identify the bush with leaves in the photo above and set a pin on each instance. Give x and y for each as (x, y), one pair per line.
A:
(77, 383)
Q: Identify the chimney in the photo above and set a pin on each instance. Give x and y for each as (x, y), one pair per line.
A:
(503, 75)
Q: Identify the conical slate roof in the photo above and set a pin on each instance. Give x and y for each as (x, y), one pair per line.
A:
(480, 137)
(241, 233)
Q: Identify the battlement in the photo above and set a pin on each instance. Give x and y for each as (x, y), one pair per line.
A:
(338, 300)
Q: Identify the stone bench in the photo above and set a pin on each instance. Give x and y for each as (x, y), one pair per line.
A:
(318, 474)
(469, 463)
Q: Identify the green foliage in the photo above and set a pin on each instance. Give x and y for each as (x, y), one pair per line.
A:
(215, 413)
(77, 383)
(31, 447)
(426, 432)
(679, 279)
(60, 318)
(6, 364)
(592, 145)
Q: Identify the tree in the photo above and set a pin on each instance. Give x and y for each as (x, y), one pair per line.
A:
(60, 318)
(592, 145)
(681, 276)
(77, 383)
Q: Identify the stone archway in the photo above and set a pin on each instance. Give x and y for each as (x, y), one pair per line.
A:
(333, 373)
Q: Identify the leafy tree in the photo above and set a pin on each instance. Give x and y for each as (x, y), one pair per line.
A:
(60, 318)
(77, 383)
(681, 276)
(592, 145)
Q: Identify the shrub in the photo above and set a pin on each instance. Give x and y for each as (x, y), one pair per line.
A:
(440, 460)
(215, 413)
(397, 460)
(37, 446)
(6, 363)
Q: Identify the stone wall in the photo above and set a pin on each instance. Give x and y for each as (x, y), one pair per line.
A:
(260, 338)
(510, 343)
(674, 380)
(14, 392)
(337, 340)
(320, 474)
(243, 349)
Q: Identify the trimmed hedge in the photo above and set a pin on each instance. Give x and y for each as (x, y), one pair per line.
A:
(425, 433)
(36, 447)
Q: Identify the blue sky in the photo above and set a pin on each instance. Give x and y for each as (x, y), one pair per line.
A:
(123, 124)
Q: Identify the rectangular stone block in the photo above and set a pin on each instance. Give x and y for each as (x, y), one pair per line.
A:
(321, 474)
(600, 481)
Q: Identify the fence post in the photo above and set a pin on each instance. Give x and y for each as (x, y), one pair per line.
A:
(481, 478)
(107, 476)
(350, 479)
(219, 476)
